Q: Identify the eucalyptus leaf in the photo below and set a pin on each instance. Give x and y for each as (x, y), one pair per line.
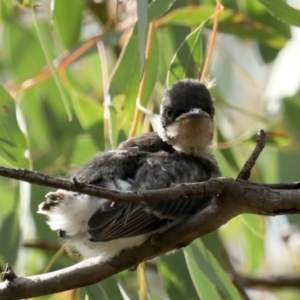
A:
(188, 58)
(67, 18)
(12, 141)
(282, 11)
(199, 258)
(142, 13)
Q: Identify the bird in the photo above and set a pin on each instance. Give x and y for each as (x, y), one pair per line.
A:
(180, 152)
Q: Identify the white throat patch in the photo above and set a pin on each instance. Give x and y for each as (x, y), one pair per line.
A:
(191, 136)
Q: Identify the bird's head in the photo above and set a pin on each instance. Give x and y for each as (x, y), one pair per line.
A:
(186, 117)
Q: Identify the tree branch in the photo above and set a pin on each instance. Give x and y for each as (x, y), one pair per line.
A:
(260, 144)
(267, 282)
(232, 197)
(174, 193)
(237, 197)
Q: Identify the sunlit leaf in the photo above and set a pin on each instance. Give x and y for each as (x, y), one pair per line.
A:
(205, 288)
(199, 258)
(230, 21)
(188, 59)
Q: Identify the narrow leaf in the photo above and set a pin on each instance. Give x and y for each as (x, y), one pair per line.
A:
(188, 58)
(142, 13)
(12, 141)
(67, 16)
(197, 254)
(282, 11)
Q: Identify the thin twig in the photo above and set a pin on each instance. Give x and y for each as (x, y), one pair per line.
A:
(8, 274)
(108, 126)
(267, 282)
(219, 9)
(245, 173)
(143, 81)
(43, 246)
(61, 65)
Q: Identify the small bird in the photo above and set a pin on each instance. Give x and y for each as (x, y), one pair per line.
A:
(180, 152)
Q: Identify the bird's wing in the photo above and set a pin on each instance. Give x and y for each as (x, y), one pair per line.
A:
(149, 142)
(110, 166)
(121, 222)
(155, 171)
(163, 170)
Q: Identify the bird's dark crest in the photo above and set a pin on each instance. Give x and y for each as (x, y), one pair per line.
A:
(183, 96)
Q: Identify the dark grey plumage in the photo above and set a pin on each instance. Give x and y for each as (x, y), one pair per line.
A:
(155, 161)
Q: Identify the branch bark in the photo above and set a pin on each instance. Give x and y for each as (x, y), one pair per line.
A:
(236, 197)
(267, 282)
(232, 197)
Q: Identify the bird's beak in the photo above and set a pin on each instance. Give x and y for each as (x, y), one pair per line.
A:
(194, 113)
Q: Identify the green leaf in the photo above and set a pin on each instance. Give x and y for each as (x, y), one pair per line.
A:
(282, 11)
(8, 198)
(90, 114)
(230, 21)
(205, 288)
(203, 265)
(10, 233)
(254, 233)
(94, 292)
(126, 67)
(176, 276)
(67, 16)
(18, 57)
(151, 70)
(47, 49)
(142, 13)
(12, 141)
(158, 8)
(127, 73)
(188, 58)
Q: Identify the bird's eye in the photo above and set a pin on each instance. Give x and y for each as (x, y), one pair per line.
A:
(169, 113)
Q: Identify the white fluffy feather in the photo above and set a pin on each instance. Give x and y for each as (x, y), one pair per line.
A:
(71, 215)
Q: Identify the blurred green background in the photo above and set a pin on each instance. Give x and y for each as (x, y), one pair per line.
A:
(70, 73)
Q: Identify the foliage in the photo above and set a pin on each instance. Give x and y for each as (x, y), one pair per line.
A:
(55, 123)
